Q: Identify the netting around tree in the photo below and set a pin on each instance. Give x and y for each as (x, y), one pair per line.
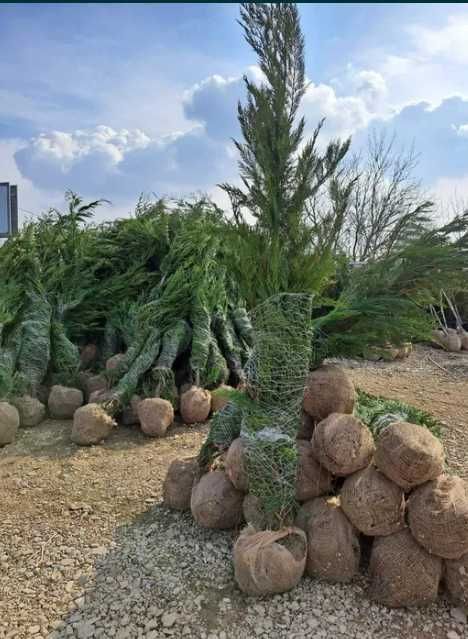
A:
(275, 374)
(267, 413)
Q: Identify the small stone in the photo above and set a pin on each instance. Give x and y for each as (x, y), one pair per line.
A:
(458, 614)
(451, 634)
(168, 619)
(33, 630)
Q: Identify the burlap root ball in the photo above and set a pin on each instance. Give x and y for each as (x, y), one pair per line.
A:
(342, 444)
(215, 503)
(306, 427)
(438, 516)
(114, 362)
(64, 401)
(9, 423)
(268, 561)
(195, 405)
(177, 487)
(235, 465)
(91, 424)
(31, 411)
(303, 514)
(402, 573)
(456, 579)
(328, 390)
(373, 503)
(220, 397)
(312, 479)
(155, 415)
(129, 416)
(254, 513)
(333, 542)
(463, 339)
(409, 454)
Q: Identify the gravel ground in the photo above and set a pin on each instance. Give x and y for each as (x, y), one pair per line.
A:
(164, 576)
(87, 550)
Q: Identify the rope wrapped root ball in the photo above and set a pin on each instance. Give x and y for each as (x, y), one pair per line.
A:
(312, 479)
(254, 513)
(333, 543)
(235, 465)
(177, 487)
(215, 503)
(456, 579)
(342, 444)
(409, 454)
(373, 503)
(438, 516)
(269, 562)
(402, 573)
(195, 405)
(328, 390)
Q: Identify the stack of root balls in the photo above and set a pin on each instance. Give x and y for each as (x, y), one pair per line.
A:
(390, 495)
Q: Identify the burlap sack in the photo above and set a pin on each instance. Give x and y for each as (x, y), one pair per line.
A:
(306, 427)
(343, 444)
(373, 503)
(91, 424)
(155, 416)
(269, 562)
(215, 503)
(456, 579)
(333, 542)
(302, 518)
(195, 405)
(235, 465)
(253, 512)
(312, 479)
(453, 341)
(438, 516)
(328, 390)
(402, 573)
(177, 487)
(463, 339)
(409, 454)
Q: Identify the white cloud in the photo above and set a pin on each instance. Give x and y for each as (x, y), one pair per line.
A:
(448, 42)
(344, 114)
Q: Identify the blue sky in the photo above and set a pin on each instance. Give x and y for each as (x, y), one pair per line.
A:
(115, 100)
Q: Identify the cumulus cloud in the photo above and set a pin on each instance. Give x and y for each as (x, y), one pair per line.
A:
(122, 162)
(448, 42)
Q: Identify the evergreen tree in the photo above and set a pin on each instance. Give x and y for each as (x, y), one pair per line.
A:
(280, 171)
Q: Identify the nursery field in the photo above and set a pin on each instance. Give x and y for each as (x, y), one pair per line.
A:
(88, 550)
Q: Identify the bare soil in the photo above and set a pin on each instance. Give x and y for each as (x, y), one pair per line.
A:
(60, 504)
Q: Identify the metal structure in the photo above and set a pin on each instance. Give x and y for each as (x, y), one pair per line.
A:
(8, 209)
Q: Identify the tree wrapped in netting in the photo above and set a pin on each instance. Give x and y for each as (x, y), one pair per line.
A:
(267, 414)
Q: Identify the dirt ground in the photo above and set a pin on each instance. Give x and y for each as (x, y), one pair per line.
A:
(60, 504)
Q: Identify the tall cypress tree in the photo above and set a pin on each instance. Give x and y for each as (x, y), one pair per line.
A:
(280, 171)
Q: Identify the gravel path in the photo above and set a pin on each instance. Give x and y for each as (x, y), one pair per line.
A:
(164, 576)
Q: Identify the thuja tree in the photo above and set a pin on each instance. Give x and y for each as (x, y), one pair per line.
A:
(280, 170)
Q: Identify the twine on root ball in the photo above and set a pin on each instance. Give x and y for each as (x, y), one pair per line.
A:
(333, 542)
(373, 503)
(438, 516)
(215, 503)
(402, 573)
(409, 454)
(269, 562)
(312, 479)
(328, 390)
(177, 487)
(343, 444)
